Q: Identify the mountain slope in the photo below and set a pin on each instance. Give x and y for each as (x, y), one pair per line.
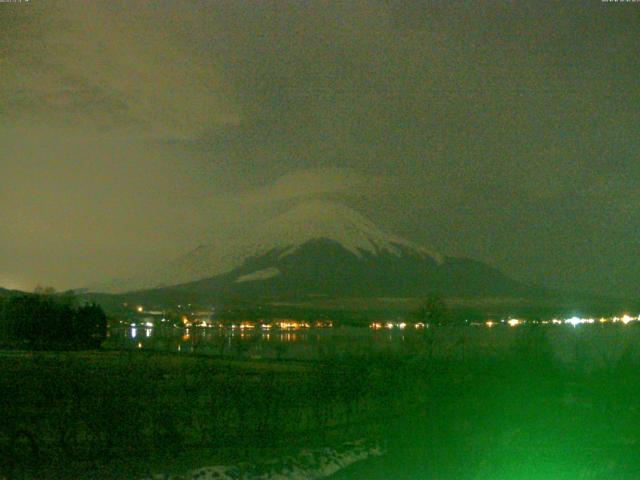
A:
(319, 249)
(284, 233)
(325, 268)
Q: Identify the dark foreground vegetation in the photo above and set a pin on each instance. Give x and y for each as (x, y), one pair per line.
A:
(48, 321)
(115, 415)
(515, 414)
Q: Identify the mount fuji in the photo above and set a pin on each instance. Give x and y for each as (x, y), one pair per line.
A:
(318, 249)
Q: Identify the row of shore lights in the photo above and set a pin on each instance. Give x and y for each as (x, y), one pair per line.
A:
(573, 321)
(390, 325)
(514, 322)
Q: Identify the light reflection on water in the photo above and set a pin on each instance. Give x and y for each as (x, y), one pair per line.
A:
(300, 343)
(597, 343)
(288, 337)
(255, 343)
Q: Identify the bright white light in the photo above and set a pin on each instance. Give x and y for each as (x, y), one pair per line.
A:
(148, 324)
(389, 325)
(489, 323)
(626, 319)
(402, 325)
(514, 322)
(140, 309)
(574, 321)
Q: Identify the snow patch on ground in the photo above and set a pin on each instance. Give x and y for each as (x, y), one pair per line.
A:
(306, 465)
(259, 275)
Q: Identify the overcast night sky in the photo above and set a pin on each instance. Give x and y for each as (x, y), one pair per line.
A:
(504, 131)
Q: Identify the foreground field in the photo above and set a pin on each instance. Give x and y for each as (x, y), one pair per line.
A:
(516, 413)
(125, 414)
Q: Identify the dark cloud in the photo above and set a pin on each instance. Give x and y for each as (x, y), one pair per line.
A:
(508, 131)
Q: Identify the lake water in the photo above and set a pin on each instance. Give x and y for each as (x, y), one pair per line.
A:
(593, 344)
(303, 344)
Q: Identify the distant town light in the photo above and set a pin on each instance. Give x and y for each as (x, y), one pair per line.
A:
(514, 322)
(578, 321)
(140, 308)
(489, 323)
(574, 321)
(626, 319)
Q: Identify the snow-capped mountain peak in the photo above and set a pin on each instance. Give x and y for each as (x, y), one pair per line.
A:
(331, 221)
(284, 234)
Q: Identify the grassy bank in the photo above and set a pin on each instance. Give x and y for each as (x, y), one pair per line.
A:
(515, 414)
(121, 413)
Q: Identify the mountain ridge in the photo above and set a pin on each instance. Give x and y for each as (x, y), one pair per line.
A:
(318, 249)
(286, 232)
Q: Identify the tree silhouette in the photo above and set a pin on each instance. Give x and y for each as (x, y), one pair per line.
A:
(46, 320)
(433, 311)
